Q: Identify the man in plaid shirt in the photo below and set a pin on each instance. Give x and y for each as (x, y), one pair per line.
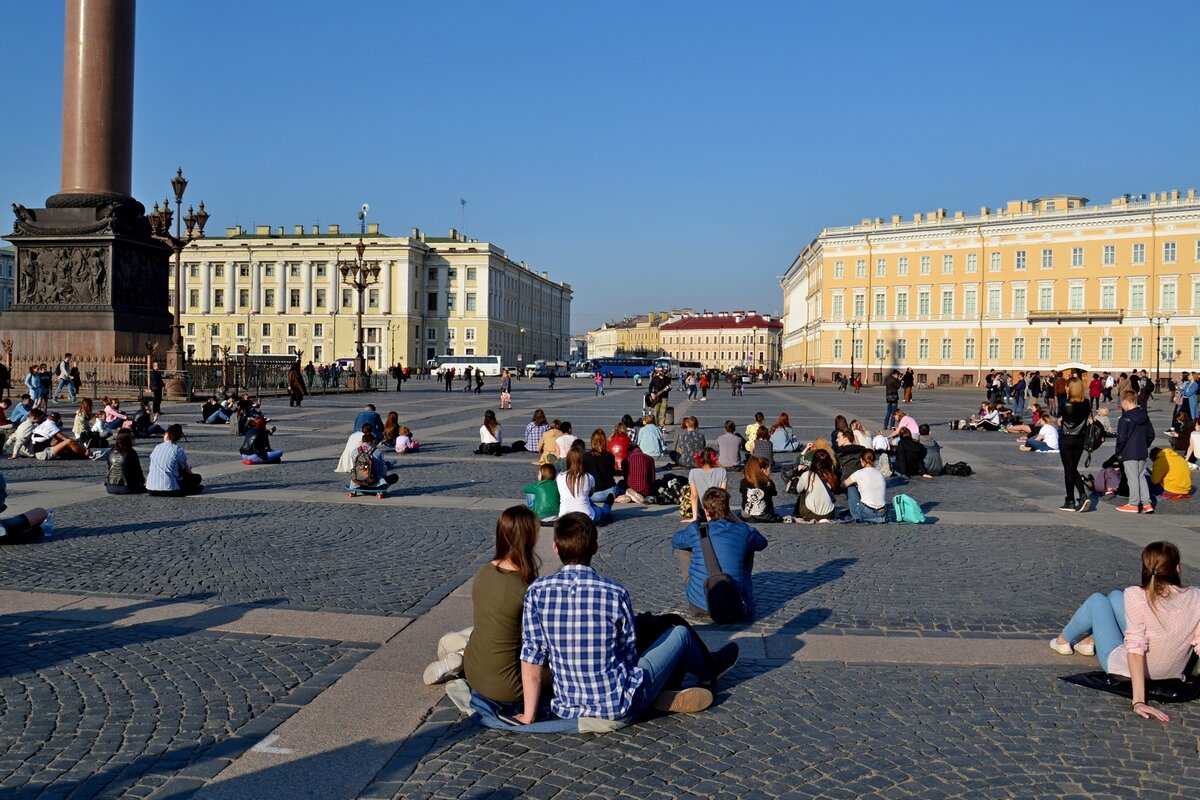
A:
(583, 624)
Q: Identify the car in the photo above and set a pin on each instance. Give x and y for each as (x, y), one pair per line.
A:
(583, 373)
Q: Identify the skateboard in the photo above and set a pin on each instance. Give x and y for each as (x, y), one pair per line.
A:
(379, 490)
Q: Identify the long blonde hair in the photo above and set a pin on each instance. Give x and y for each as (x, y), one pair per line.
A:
(1076, 392)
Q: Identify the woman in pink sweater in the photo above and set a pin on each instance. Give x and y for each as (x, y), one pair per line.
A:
(1144, 632)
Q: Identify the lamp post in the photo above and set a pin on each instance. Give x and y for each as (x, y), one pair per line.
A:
(358, 275)
(160, 230)
(1158, 322)
(853, 326)
(521, 350)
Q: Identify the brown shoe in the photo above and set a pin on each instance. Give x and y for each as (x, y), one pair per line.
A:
(685, 701)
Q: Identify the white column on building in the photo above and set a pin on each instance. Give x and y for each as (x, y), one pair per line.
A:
(281, 298)
(256, 290)
(385, 302)
(181, 301)
(306, 298)
(230, 286)
(335, 297)
(206, 269)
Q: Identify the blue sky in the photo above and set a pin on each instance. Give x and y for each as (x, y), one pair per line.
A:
(653, 155)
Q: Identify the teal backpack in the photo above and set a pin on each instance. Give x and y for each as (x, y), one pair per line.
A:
(907, 510)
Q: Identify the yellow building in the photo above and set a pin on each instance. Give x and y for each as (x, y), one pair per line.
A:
(271, 292)
(630, 336)
(1030, 286)
(725, 339)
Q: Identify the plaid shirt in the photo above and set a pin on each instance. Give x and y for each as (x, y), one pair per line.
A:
(533, 435)
(584, 624)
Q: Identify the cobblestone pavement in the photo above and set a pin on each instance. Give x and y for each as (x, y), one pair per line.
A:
(90, 708)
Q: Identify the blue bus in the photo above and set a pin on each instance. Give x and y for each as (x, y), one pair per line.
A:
(622, 366)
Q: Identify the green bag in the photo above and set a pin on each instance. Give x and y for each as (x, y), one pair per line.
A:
(907, 510)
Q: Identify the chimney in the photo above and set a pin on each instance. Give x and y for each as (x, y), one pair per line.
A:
(984, 211)
(454, 234)
(373, 228)
(335, 230)
(280, 233)
(416, 233)
(262, 230)
(299, 230)
(316, 230)
(236, 230)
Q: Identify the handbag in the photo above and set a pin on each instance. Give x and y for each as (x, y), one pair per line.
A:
(720, 590)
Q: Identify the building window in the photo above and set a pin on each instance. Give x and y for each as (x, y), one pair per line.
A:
(1110, 255)
(902, 262)
(451, 301)
(1108, 297)
(320, 298)
(191, 329)
(1019, 260)
(1075, 298)
(1196, 348)
(219, 271)
(837, 348)
(994, 263)
(470, 301)
(293, 298)
(881, 267)
(1168, 252)
(469, 334)
(880, 303)
(902, 303)
(860, 304)
(1019, 349)
(294, 270)
(923, 302)
(194, 269)
(243, 298)
(1196, 295)
(269, 270)
(947, 302)
(926, 265)
(1167, 349)
(1137, 297)
(451, 274)
(1168, 296)
(1136, 350)
(450, 334)
(321, 270)
(969, 348)
(1047, 259)
(1045, 298)
(839, 269)
(372, 298)
(901, 349)
(993, 349)
(432, 274)
(1018, 301)
(1197, 254)
(972, 262)
(860, 268)
(969, 302)
(947, 349)
(194, 297)
(947, 264)
(471, 272)
(266, 349)
(858, 348)
(269, 298)
(431, 301)
(923, 349)
(1075, 348)
(994, 301)
(879, 348)
(1139, 254)
(1076, 256)
(244, 270)
(291, 330)
(347, 298)
(1106, 349)
(836, 312)
(219, 297)
(266, 329)
(1044, 348)
(431, 334)
(318, 330)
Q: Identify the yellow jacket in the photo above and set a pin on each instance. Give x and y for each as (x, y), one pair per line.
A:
(1171, 472)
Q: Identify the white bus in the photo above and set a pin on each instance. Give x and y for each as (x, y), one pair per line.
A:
(489, 365)
(543, 368)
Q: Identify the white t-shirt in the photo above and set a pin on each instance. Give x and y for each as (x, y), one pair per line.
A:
(1049, 436)
(487, 437)
(564, 442)
(872, 489)
(863, 439)
(568, 502)
(817, 498)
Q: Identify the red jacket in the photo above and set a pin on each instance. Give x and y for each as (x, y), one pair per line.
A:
(619, 447)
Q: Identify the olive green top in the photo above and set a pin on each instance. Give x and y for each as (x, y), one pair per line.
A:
(492, 660)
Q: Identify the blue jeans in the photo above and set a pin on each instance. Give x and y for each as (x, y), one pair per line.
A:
(599, 497)
(217, 416)
(1019, 402)
(889, 420)
(1041, 447)
(65, 383)
(272, 457)
(860, 512)
(1102, 617)
(676, 647)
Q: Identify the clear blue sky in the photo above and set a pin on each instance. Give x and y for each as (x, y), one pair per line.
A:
(653, 155)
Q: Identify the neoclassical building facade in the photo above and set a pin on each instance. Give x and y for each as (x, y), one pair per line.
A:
(724, 339)
(276, 292)
(1034, 285)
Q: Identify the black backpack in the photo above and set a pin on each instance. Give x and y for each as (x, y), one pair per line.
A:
(959, 469)
(720, 590)
(1093, 436)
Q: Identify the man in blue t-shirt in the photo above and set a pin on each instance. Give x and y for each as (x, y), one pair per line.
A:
(734, 544)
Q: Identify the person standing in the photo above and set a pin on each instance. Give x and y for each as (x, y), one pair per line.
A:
(598, 380)
(310, 372)
(64, 379)
(1018, 391)
(1134, 435)
(891, 389)
(1074, 416)
(659, 391)
(907, 384)
(295, 385)
(157, 384)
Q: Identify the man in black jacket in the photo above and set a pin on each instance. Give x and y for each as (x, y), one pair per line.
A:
(659, 391)
(891, 390)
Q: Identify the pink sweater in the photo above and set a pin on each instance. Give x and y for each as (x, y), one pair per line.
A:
(1164, 634)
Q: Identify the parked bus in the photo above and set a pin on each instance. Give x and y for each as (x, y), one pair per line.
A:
(622, 366)
(490, 365)
(674, 366)
(543, 368)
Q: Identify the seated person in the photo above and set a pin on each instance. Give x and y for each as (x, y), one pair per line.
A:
(761, 447)
(256, 447)
(49, 442)
(988, 420)
(1029, 428)
(582, 625)
(22, 527)
(848, 455)
(548, 445)
(729, 447)
(688, 442)
(1046, 440)
(21, 410)
(933, 451)
(1145, 632)
(866, 491)
(905, 422)
(170, 475)
(124, 467)
(113, 417)
(910, 456)
(817, 487)
(650, 438)
(564, 441)
(783, 438)
(707, 474)
(248, 410)
(575, 487)
(491, 436)
(752, 430)
(353, 442)
(219, 413)
(368, 416)
(618, 445)
(1170, 477)
(405, 443)
(542, 496)
(21, 441)
(639, 471)
(1106, 421)
(144, 425)
(758, 492)
(369, 470)
(734, 543)
(602, 466)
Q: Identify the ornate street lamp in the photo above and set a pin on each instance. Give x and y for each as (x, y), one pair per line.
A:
(160, 229)
(853, 326)
(358, 275)
(1158, 322)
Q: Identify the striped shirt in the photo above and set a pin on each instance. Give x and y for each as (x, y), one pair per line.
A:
(533, 435)
(167, 462)
(583, 623)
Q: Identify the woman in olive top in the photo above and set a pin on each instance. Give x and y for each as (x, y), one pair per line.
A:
(490, 661)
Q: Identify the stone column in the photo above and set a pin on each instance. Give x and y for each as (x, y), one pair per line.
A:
(97, 143)
(256, 278)
(307, 295)
(281, 299)
(206, 270)
(230, 287)
(385, 302)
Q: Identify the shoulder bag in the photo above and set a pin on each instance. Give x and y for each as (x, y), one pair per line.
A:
(720, 590)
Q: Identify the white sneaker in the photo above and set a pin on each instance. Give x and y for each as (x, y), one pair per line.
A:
(443, 669)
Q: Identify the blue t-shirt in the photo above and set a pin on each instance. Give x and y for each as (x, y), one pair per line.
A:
(732, 541)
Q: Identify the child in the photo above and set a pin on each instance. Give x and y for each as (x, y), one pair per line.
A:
(542, 496)
(405, 443)
(1134, 435)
